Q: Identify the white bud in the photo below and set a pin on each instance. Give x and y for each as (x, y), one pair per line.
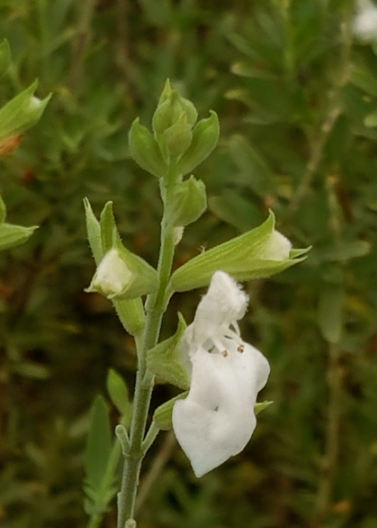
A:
(113, 274)
(277, 247)
(35, 103)
(365, 21)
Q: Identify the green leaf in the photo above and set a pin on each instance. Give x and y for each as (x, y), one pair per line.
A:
(259, 175)
(235, 209)
(98, 446)
(165, 361)
(118, 392)
(3, 211)
(5, 57)
(13, 235)
(330, 308)
(345, 250)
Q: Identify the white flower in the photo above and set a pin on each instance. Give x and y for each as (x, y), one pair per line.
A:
(365, 21)
(217, 419)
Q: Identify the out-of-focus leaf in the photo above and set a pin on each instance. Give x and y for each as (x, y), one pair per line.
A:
(98, 446)
(330, 311)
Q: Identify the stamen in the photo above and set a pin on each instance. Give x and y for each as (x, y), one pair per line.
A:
(225, 353)
(241, 348)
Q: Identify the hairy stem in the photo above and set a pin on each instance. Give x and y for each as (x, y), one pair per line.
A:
(155, 308)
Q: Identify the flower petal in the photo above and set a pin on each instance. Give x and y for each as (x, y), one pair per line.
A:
(224, 304)
(217, 418)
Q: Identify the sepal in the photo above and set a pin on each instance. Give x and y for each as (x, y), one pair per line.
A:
(165, 360)
(259, 407)
(145, 150)
(177, 138)
(131, 314)
(189, 202)
(204, 140)
(94, 232)
(21, 113)
(260, 253)
(13, 235)
(163, 415)
(170, 108)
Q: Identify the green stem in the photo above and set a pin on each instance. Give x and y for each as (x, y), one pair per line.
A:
(155, 308)
(150, 437)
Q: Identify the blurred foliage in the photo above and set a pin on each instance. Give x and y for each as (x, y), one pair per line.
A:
(296, 96)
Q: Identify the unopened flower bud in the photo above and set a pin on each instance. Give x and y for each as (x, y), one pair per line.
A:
(277, 247)
(169, 110)
(123, 275)
(177, 138)
(22, 112)
(259, 253)
(113, 275)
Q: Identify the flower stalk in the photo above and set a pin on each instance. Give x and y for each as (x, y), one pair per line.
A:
(155, 308)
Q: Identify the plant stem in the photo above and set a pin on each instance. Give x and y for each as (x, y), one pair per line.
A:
(329, 468)
(156, 468)
(155, 308)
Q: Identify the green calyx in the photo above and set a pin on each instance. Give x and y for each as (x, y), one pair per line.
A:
(145, 150)
(189, 202)
(12, 235)
(101, 237)
(120, 274)
(21, 113)
(204, 139)
(165, 361)
(260, 253)
(163, 414)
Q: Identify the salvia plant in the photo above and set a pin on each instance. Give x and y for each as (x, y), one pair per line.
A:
(218, 373)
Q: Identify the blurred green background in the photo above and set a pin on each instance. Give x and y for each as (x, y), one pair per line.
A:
(296, 96)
